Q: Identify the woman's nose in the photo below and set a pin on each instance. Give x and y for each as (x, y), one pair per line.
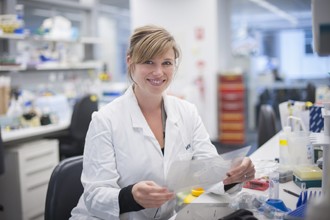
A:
(158, 70)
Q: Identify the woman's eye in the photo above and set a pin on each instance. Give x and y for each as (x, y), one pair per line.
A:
(148, 62)
(167, 63)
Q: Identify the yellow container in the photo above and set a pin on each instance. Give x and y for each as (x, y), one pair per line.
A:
(193, 195)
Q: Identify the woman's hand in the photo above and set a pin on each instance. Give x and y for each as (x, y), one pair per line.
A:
(150, 195)
(243, 171)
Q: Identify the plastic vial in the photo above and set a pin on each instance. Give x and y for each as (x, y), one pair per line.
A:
(274, 179)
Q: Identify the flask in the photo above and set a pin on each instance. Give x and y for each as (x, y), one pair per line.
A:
(284, 148)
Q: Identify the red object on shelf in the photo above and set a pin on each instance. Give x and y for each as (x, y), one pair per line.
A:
(231, 108)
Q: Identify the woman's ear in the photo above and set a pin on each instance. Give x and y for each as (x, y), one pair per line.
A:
(128, 60)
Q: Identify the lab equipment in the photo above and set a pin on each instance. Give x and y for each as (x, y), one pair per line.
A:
(285, 175)
(320, 208)
(310, 175)
(274, 179)
(298, 142)
(260, 205)
(303, 195)
(284, 148)
(290, 192)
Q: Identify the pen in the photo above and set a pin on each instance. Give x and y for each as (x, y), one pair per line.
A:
(290, 192)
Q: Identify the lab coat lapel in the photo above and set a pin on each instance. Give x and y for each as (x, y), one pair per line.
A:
(173, 131)
(137, 118)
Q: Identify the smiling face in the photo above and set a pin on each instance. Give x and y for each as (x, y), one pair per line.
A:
(151, 60)
(153, 76)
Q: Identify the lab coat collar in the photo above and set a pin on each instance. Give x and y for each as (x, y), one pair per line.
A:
(138, 120)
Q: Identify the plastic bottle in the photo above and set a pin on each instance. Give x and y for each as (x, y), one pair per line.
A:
(284, 148)
(20, 18)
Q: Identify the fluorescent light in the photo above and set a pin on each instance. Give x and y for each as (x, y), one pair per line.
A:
(262, 3)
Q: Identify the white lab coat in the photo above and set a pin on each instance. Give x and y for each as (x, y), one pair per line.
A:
(121, 150)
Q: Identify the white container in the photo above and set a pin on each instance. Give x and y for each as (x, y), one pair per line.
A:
(283, 147)
(298, 143)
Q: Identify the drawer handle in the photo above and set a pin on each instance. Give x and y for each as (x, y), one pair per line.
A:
(32, 172)
(42, 154)
(40, 184)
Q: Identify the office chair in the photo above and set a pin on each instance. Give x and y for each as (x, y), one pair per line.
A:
(2, 156)
(64, 189)
(266, 124)
(311, 92)
(73, 143)
(2, 162)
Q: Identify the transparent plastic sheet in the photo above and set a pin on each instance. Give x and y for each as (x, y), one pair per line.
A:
(239, 153)
(186, 174)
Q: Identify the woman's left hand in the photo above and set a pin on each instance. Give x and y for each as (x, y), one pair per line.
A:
(244, 171)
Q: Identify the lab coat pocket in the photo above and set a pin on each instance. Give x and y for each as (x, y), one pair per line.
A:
(185, 156)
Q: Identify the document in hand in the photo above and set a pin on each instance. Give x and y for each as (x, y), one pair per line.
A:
(186, 174)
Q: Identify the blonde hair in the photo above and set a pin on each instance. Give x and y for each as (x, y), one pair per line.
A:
(148, 42)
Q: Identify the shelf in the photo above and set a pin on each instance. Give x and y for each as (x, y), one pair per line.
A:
(82, 40)
(55, 66)
(11, 68)
(12, 36)
(60, 66)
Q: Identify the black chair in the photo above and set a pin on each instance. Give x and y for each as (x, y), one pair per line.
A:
(2, 162)
(266, 124)
(73, 143)
(64, 189)
(310, 92)
(2, 156)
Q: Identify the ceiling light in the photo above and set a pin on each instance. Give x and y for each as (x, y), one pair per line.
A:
(262, 3)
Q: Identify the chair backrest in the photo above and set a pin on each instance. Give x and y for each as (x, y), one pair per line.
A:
(311, 90)
(81, 116)
(2, 156)
(266, 124)
(64, 189)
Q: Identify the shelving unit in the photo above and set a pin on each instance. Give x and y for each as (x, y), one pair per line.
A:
(231, 98)
(90, 64)
(86, 43)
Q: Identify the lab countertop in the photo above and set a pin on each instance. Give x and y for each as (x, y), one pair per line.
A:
(23, 134)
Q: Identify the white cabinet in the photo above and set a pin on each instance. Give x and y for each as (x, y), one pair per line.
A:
(24, 185)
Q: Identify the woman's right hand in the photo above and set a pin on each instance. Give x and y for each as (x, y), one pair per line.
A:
(150, 195)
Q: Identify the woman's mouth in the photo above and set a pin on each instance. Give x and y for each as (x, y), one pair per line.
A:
(156, 82)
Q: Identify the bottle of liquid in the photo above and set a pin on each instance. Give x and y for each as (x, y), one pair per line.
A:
(284, 148)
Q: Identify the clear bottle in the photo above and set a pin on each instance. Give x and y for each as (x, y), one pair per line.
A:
(283, 147)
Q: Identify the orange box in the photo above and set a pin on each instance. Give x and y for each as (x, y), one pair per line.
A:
(229, 116)
(232, 106)
(229, 87)
(232, 137)
(232, 126)
(231, 78)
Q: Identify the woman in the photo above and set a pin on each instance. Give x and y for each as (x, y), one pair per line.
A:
(132, 141)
